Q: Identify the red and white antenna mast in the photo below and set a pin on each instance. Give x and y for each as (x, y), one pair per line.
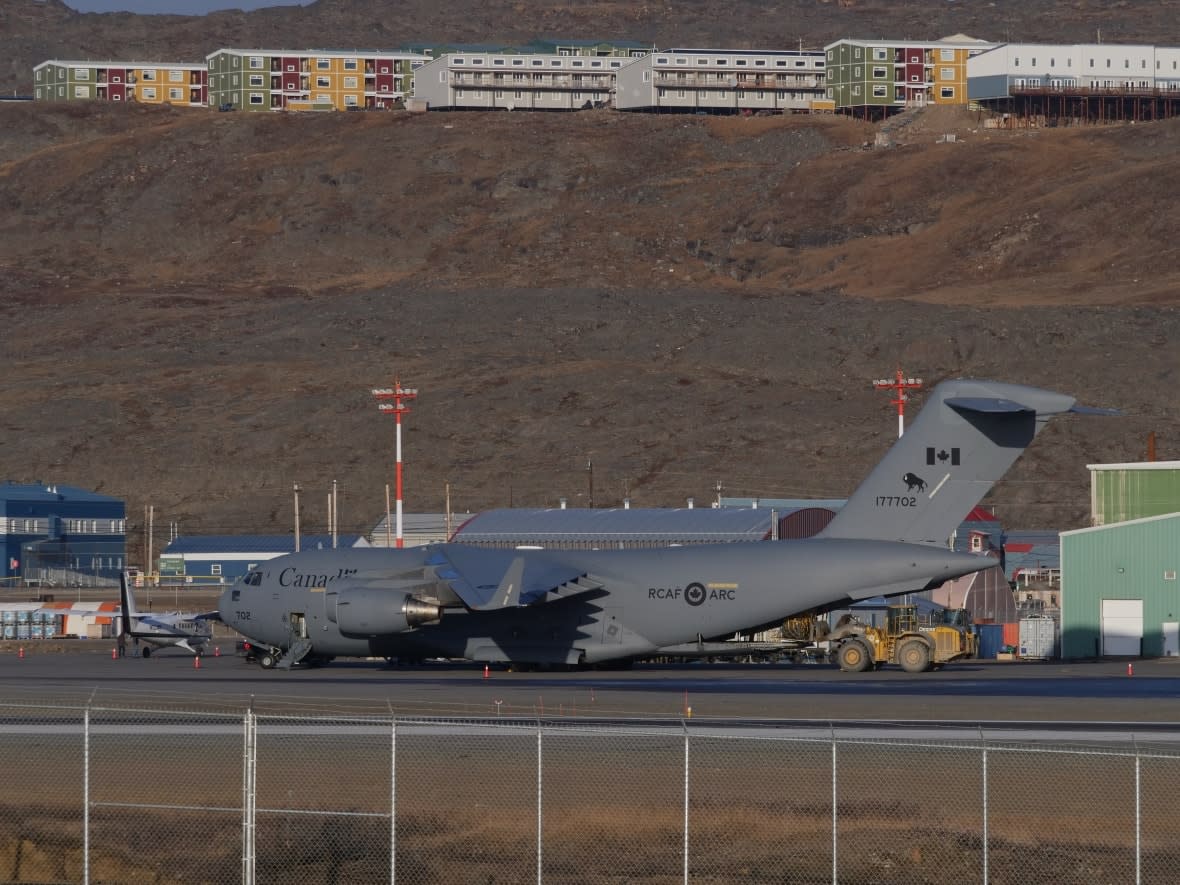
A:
(397, 393)
(900, 385)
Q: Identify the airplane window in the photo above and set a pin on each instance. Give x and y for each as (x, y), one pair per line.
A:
(236, 595)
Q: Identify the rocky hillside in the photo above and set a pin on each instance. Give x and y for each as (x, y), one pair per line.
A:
(195, 305)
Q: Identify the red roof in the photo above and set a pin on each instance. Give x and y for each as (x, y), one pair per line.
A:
(979, 513)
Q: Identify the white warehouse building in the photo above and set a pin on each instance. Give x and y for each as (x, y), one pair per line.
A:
(1090, 67)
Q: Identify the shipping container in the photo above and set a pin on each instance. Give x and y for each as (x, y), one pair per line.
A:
(1038, 638)
(1012, 634)
(991, 639)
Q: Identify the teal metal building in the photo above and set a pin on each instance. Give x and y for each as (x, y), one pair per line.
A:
(1119, 492)
(1120, 593)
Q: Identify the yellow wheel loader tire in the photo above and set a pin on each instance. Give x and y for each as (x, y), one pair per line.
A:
(914, 656)
(853, 656)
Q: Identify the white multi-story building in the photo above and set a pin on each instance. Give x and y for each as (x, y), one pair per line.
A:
(724, 80)
(535, 82)
(1088, 67)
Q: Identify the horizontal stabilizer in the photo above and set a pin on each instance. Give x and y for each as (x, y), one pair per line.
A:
(985, 404)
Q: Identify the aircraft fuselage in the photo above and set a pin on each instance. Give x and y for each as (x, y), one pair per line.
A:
(640, 601)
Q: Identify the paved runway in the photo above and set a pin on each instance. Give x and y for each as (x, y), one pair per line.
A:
(970, 692)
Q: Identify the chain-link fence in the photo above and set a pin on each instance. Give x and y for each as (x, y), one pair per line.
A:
(104, 794)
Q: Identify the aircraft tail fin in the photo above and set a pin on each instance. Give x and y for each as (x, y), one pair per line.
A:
(965, 438)
(127, 604)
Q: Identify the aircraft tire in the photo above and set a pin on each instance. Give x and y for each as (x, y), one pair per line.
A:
(267, 661)
(914, 656)
(853, 656)
(147, 652)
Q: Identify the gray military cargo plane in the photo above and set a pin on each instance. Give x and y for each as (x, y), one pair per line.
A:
(563, 607)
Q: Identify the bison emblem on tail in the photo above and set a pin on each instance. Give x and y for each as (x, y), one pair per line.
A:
(913, 482)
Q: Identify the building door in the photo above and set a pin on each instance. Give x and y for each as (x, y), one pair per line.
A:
(1171, 639)
(1122, 627)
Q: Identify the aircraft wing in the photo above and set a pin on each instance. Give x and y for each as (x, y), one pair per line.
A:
(493, 579)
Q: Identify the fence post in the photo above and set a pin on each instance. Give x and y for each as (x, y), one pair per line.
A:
(249, 793)
(393, 801)
(86, 795)
(983, 744)
(835, 866)
(1138, 820)
(684, 725)
(540, 880)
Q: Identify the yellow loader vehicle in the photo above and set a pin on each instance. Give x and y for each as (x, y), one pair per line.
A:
(913, 646)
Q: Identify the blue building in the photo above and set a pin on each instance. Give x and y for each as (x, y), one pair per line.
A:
(56, 535)
(222, 559)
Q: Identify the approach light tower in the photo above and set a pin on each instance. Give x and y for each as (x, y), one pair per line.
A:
(396, 408)
(900, 384)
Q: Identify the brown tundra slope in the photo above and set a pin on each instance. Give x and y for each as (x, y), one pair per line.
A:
(195, 305)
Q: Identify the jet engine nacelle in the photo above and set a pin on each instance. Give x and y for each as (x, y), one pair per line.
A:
(373, 611)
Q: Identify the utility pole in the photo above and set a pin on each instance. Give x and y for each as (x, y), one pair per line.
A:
(397, 408)
(296, 517)
(388, 520)
(448, 511)
(900, 384)
(590, 480)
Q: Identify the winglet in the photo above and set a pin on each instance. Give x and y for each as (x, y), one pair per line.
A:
(507, 595)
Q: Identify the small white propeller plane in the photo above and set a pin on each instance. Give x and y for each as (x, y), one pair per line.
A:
(191, 631)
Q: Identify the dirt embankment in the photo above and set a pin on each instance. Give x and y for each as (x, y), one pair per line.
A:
(195, 305)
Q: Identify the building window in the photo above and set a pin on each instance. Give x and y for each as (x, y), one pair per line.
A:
(149, 93)
(879, 53)
(323, 64)
(946, 73)
(215, 568)
(255, 98)
(81, 92)
(947, 92)
(350, 64)
(175, 94)
(856, 52)
(879, 73)
(946, 54)
(856, 72)
(880, 91)
(147, 76)
(256, 79)
(976, 543)
(323, 82)
(350, 82)
(350, 101)
(176, 76)
(81, 73)
(458, 93)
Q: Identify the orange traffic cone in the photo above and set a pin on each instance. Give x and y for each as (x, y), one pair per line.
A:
(114, 653)
(21, 652)
(486, 671)
(196, 662)
(1130, 669)
(217, 651)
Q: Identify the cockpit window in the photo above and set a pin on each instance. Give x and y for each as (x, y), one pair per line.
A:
(253, 579)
